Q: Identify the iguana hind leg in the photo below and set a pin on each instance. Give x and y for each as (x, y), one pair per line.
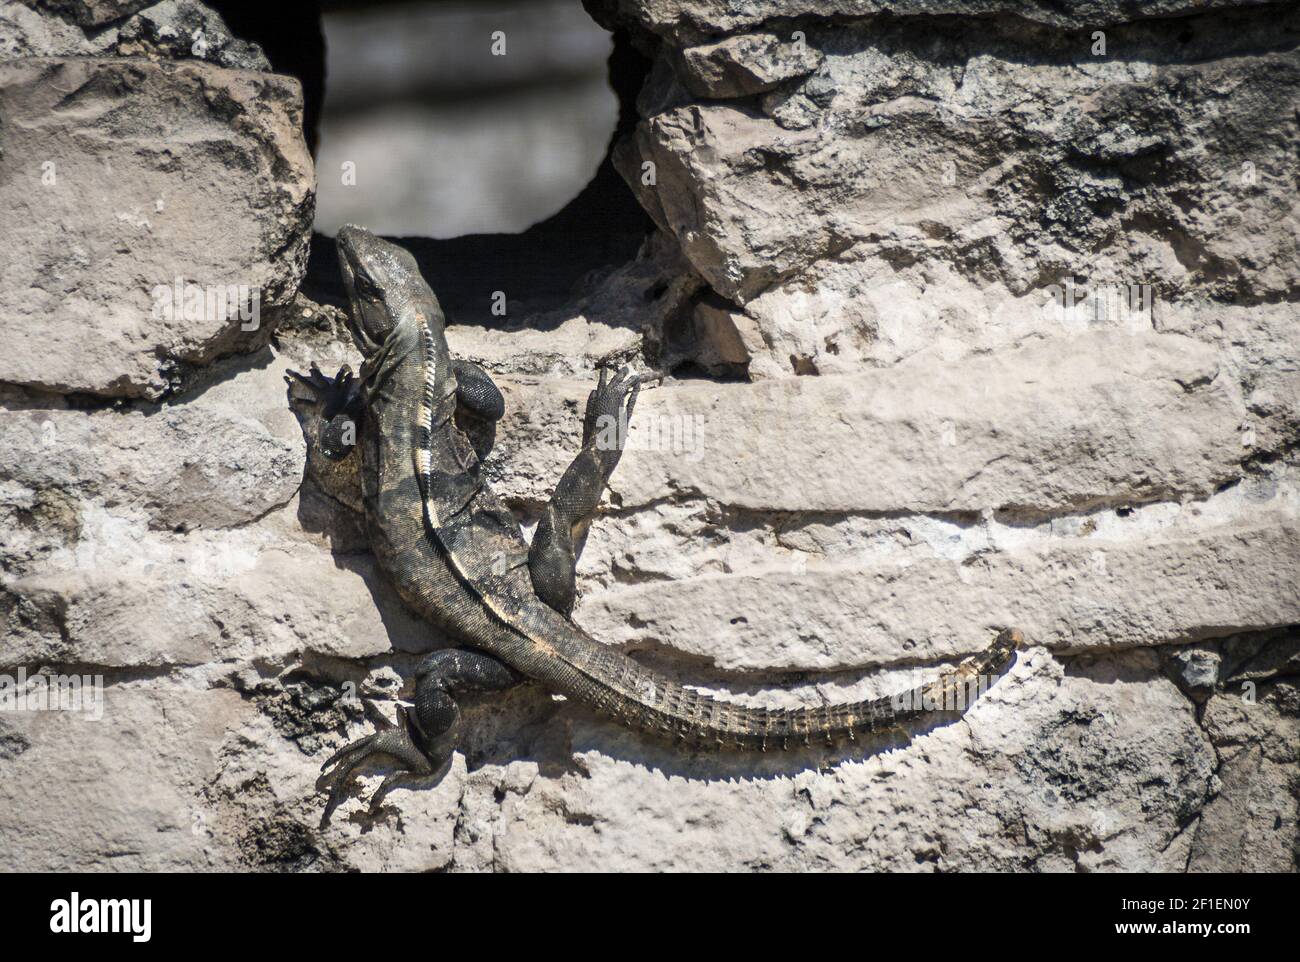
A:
(561, 532)
(422, 741)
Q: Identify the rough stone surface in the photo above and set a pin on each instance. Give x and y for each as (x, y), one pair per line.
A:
(953, 191)
(171, 30)
(683, 18)
(1253, 825)
(121, 176)
(871, 440)
(745, 65)
(88, 13)
(1151, 411)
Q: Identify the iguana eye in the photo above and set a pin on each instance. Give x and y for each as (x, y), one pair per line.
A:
(367, 288)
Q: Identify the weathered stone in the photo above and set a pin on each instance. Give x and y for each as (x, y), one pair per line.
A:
(1253, 824)
(25, 32)
(101, 231)
(89, 13)
(183, 29)
(1032, 783)
(678, 19)
(122, 793)
(172, 29)
(208, 601)
(1102, 418)
(1018, 158)
(722, 336)
(234, 452)
(1068, 594)
(1197, 668)
(746, 65)
(926, 450)
(1262, 655)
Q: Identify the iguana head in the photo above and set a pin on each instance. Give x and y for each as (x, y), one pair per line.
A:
(384, 287)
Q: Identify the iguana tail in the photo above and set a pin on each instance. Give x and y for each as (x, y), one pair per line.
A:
(614, 684)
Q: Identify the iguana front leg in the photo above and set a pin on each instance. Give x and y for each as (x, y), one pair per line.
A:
(330, 410)
(561, 532)
(338, 401)
(422, 741)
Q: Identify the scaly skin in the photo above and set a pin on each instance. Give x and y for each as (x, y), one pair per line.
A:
(455, 554)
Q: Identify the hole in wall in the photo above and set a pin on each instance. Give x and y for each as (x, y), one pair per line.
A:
(536, 267)
(442, 119)
(494, 171)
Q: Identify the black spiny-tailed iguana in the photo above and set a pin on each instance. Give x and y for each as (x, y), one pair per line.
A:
(456, 556)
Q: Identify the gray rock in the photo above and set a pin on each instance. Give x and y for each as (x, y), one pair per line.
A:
(1253, 824)
(25, 32)
(236, 452)
(719, 333)
(181, 29)
(1011, 158)
(129, 785)
(88, 307)
(88, 13)
(1104, 418)
(170, 30)
(684, 19)
(745, 65)
(893, 606)
(1197, 668)
(1062, 787)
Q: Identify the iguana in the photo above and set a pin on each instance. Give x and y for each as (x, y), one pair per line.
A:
(423, 423)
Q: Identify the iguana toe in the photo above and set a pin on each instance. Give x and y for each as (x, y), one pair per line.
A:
(335, 395)
(338, 403)
(395, 742)
(611, 404)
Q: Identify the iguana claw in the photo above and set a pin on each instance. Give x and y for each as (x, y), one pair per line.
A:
(395, 741)
(339, 400)
(611, 405)
(335, 394)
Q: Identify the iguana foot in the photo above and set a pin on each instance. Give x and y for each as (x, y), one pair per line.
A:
(557, 542)
(339, 400)
(398, 742)
(610, 405)
(422, 742)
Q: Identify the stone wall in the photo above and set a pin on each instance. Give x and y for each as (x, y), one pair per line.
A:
(878, 436)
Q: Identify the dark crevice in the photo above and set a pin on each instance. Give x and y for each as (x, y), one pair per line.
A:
(289, 33)
(542, 267)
